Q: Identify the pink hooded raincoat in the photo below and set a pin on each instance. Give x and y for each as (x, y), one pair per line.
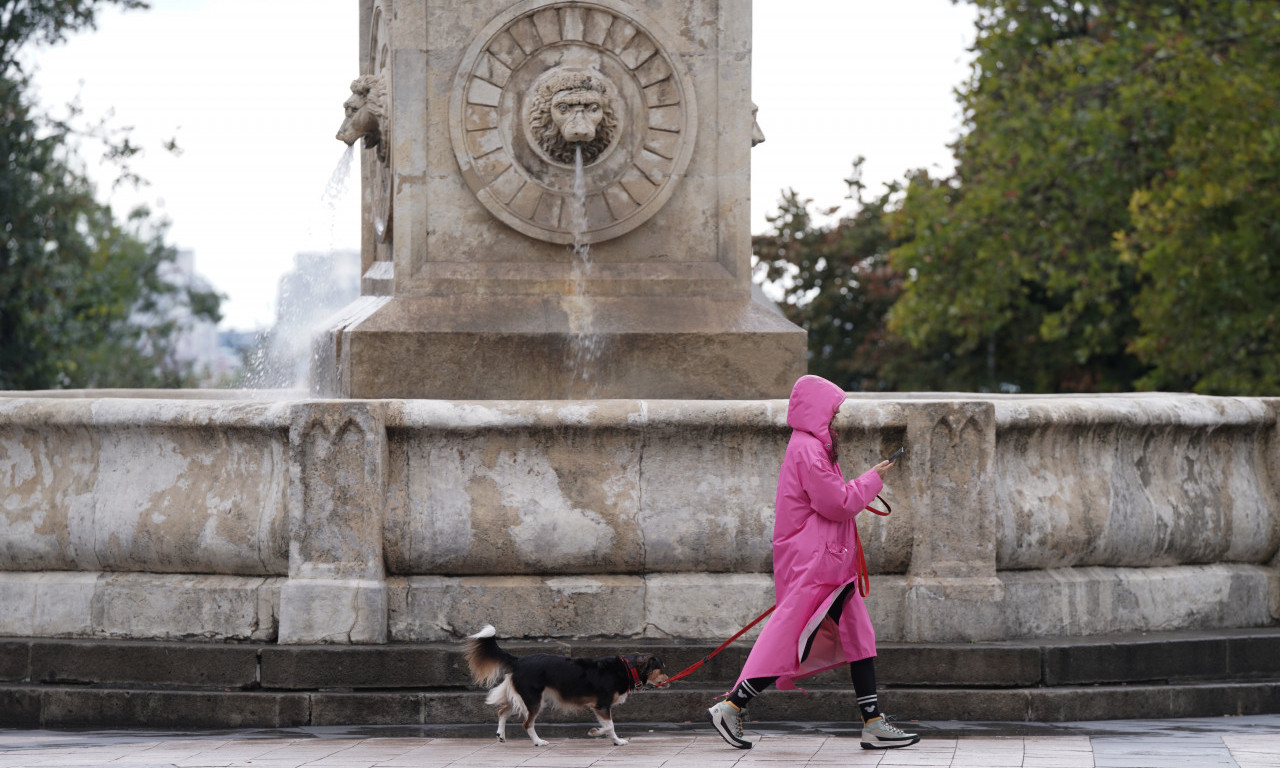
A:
(814, 549)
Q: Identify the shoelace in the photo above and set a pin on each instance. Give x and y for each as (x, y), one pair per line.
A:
(890, 727)
(737, 725)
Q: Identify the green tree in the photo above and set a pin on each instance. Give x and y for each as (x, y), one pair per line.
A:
(83, 301)
(838, 285)
(1112, 219)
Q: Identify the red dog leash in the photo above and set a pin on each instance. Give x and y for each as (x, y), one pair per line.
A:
(864, 584)
(697, 664)
(864, 579)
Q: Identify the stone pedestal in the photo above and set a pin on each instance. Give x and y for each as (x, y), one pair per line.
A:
(336, 591)
(524, 348)
(497, 266)
(951, 582)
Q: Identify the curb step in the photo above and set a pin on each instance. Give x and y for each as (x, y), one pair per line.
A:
(63, 706)
(68, 683)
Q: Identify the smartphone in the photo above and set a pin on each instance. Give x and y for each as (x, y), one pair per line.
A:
(897, 454)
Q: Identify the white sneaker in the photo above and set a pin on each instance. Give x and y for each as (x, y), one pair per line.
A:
(878, 734)
(727, 720)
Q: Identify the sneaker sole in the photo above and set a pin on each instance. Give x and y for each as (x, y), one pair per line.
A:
(883, 745)
(727, 739)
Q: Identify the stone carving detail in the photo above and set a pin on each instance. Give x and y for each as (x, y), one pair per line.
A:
(368, 117)
(544, 79)
(757, 135)
(571, 110)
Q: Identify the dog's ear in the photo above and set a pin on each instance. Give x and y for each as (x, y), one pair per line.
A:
(654, 664)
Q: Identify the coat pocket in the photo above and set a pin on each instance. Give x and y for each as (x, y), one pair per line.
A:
(835, 560)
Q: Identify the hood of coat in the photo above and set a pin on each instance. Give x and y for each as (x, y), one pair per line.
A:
(814, 402)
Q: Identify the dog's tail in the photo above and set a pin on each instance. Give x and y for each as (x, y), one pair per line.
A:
(488, 662)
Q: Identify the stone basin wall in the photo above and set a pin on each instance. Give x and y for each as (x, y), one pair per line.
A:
(225, 516)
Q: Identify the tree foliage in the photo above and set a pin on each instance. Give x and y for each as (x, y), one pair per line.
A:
(1113, 219)
(83, 297)
(838, 283)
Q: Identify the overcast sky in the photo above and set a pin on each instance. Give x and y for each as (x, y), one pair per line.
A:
(253, 89)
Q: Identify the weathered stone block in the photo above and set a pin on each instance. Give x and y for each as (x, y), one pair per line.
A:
(20, 708)
(386, 666)
(1085, 663)
(142, 663)
(435, 608)
(333, 611)
(15, 657)
(58, 603)
(175, 606)
(73, 707)
(366, 709)
(705, 605)
(958, 665)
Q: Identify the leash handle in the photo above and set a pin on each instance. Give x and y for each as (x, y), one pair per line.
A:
(864, 578)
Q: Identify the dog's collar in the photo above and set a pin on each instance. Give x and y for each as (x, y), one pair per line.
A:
(636, 682)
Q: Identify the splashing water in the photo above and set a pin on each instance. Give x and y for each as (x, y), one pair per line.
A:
(584, 344)
(321, 282)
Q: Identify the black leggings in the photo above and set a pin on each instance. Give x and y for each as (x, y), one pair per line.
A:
(833, 613)
(862, 673)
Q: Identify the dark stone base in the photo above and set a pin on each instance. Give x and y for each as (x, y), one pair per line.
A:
(46, 683)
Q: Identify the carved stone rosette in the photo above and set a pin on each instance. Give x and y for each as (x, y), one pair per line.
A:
(602, 59)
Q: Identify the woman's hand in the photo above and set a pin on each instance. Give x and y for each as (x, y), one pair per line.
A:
(882, 466)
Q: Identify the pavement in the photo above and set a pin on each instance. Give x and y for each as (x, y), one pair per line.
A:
(1246, 742)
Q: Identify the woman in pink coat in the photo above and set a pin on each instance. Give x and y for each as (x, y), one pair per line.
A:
(820, 621)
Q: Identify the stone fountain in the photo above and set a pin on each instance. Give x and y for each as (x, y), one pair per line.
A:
(558, 407)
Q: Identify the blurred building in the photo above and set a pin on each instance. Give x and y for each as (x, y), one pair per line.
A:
(197, 344)
(319, 285)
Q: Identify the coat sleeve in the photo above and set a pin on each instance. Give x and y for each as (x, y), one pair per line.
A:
(832, 497)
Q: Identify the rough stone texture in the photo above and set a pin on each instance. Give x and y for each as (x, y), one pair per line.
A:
(529, 348)
(1090, 601)
(93, 485)
(131, 683)
(384, 666)
(336, 590)
(15, 661)
(434, 608)
(423, 520)
(1153, 481)
(73, 707)
(199, 665)
(139, 605)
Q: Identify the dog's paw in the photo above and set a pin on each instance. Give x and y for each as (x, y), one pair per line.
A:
(595, 732)
(620, 742)
(502, 737)
(541, 743)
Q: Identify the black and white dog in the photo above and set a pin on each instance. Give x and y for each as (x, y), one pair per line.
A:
(520, 685)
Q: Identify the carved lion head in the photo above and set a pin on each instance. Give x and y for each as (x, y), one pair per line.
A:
(366, 114)
(572, 109)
